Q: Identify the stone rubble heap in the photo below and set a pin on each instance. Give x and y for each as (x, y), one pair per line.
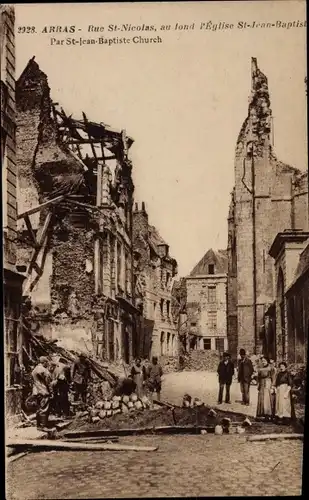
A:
(108, 407)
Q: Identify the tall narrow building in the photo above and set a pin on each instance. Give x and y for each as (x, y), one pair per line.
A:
(12, 280)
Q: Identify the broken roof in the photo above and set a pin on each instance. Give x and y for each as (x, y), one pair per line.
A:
(75, 132)
(78, 132)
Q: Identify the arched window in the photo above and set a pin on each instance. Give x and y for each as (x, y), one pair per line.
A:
(281, 315)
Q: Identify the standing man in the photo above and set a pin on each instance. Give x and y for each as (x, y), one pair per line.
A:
(245, 372)
(154, 378)
(80, 376)
(61, 385)
(225, 374)
(42, 391)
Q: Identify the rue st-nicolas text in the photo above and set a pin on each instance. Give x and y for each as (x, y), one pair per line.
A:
(141, 28)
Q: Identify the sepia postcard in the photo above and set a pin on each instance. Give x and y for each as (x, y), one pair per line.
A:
(155, 248)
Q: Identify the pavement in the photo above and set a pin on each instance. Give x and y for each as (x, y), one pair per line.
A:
(183, 466)
(24, 433)
(204, 385)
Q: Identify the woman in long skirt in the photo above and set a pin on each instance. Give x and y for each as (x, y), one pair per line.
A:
(137, 375)
(264, 406)
(284, 403)
(273, 391)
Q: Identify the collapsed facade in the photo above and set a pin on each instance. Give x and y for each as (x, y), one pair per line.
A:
(154, 271)
(12, 280)
(206, 302)
(75, 199)
(269, 197)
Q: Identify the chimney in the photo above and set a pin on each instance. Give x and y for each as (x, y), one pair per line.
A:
(140, 221)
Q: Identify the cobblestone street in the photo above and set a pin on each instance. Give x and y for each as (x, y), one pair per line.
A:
(183, 466)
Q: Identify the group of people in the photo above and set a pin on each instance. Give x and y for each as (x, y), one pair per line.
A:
(52, 381)
(147, 377)
(273, 385)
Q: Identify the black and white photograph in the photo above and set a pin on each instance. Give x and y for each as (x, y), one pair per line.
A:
(155, 248)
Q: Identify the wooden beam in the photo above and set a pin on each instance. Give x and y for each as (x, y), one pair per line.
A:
(36, 251)
(37, 268)
(17, 456)
(63, 445)
(167, 429)
(30, 229)
(79, 204)
(266, 437)
(93, 439)
(91, 142)
(40, 207)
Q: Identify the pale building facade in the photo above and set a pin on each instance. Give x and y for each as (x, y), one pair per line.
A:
(206, 303)
(154, 273)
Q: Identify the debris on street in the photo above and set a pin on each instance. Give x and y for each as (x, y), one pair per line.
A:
(63, 445)
(116, 405)
(266, 437)
(247, 422)
(218, 430)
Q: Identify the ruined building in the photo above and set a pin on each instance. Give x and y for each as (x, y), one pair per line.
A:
(11, 278)
(206, 302)
(75, 202)
(269, 197)
(154, 271)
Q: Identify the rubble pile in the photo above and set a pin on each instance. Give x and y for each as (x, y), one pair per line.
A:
(201, 360)
(103, 378)
(109, 407)
(169, 363)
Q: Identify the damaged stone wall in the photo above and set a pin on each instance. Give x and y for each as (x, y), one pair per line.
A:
(79, 276)
(72, 281)
(47, 169)
(274, 211)
(72, 284)
(32, 96)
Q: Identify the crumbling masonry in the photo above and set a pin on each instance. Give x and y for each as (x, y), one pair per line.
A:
(79, 243)
(269, 197)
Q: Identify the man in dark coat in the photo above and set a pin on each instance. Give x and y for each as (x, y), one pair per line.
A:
(225, 374)
(61, 384)
(42, 391)
(80, 376)
(245, 372)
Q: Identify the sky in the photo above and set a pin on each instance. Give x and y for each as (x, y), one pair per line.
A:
(183, 100)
